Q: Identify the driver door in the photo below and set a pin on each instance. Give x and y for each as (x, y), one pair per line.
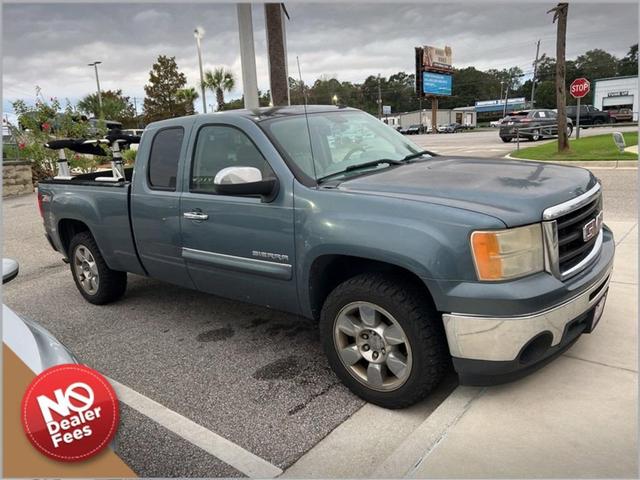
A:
(239, 247)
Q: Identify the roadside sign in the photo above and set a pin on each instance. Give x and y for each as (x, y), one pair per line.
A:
(386, 109)
(618, 139)
(436, 83)
(580, 87)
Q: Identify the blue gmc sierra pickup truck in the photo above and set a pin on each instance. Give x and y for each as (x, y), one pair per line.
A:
(410, 261)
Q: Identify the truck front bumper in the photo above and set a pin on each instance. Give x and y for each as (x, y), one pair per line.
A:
(489, 350)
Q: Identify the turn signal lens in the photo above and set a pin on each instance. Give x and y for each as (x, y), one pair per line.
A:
(507, 254)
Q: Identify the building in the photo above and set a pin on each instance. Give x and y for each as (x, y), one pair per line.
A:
(462, 115)
(617, 93)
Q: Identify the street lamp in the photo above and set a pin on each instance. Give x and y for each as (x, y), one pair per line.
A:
(335, 99)
(198, 33)
(95, 66)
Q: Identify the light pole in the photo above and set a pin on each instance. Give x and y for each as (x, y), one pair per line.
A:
(95, 65)
(199, 33)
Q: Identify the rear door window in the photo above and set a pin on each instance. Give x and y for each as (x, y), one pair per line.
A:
(164, 158)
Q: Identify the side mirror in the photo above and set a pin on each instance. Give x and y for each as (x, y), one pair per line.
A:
(245, 181)
(9, 270)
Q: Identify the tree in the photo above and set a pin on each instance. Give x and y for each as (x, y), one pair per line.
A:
(219, 81)
(115, 106)
(46, 121)
(560, 15)
(628, 65)
(161, 99)
(188, 96)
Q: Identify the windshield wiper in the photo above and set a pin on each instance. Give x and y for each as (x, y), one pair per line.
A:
(372, 163)
(351, 168)
(418, 155)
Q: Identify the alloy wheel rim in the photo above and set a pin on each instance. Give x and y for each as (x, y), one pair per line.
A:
(372, 346)
(86, 270)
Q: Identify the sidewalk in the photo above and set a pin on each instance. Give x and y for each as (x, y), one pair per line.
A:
(574, 418)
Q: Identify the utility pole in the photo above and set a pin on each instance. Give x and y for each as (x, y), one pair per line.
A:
(434, 114)
(379, 99)
(535, 72)
(199, 33)
(274, 19)
(247, 56)
(560, 15)
(95, 65)
(506, 97)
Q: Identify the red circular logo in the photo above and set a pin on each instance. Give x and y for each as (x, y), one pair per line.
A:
(70, 412)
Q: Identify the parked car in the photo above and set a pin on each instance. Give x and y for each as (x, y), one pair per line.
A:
(414, 129)
(410, 261)
(497, 123)
(622, 115)
(31, 343)
(533, 125)
(589, 115)
(452, 128)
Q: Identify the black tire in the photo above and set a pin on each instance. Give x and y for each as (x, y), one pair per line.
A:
(535, 136)
(569, 130)
(416, 315)
(111, 284)
(506, 139)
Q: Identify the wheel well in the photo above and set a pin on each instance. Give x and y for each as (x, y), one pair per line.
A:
(68, 228)
(328, 271)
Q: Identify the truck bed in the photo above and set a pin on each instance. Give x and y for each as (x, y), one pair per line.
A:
(102, 206)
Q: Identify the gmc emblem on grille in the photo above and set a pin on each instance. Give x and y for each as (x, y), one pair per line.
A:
(592, 228)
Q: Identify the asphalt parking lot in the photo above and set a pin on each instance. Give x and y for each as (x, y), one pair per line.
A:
(255, 377)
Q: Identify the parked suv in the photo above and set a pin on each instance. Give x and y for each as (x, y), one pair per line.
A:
(532, 125)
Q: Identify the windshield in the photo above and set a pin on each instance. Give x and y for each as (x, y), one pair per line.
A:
(339, 140)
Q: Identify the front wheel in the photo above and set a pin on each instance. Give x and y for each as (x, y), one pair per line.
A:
(505, 139)
(384, 340)
(96, 282)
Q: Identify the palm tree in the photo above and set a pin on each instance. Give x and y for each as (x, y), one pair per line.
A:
(188, 96)
(219, 81)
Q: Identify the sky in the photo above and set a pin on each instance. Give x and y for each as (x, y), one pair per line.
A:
(50, 45)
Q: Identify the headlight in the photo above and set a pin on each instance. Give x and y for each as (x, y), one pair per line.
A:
(506, 254)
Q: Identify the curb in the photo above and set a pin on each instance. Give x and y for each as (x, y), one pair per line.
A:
(600, 164)
(415, 449)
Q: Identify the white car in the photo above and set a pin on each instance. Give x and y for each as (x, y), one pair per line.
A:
(497, 123)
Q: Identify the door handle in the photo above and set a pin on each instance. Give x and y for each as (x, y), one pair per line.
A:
(195, 215)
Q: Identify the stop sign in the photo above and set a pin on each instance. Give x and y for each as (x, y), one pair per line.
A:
(579, 87)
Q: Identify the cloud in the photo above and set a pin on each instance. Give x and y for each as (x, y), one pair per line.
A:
(50, 44)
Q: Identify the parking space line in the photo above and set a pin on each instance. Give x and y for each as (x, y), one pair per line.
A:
(212, 443)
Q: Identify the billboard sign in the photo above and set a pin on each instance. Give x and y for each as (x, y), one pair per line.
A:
(436, 83)
(437, 58)
(386, 109)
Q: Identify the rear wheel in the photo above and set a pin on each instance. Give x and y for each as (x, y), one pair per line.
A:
(569, 130)
(536, 135)
(95, 281)
(384, 340)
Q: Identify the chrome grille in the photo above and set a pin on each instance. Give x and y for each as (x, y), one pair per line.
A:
(572, 248)
(567, 250)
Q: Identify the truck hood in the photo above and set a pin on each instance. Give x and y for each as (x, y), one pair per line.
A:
(513, 191)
